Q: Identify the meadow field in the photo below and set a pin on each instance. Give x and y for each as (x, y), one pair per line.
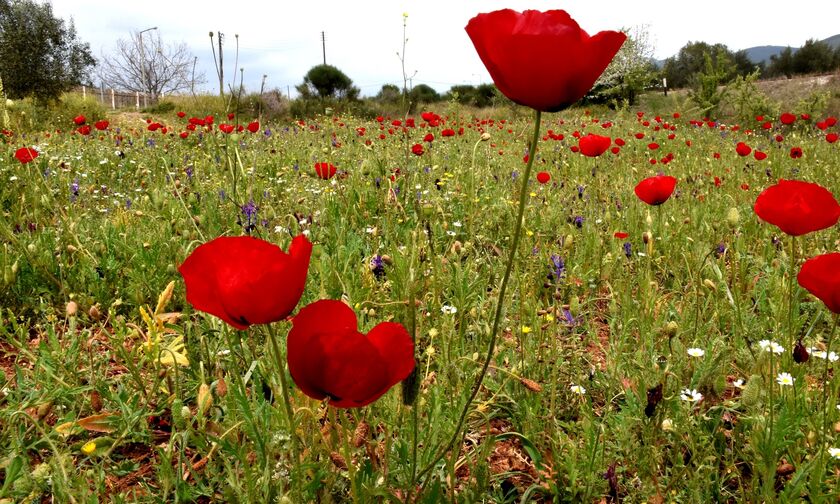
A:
(645, 353)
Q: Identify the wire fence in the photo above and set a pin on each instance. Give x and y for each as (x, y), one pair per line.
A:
(116, 99)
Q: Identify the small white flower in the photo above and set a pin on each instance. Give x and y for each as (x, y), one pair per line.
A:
(457, 223)
(833, 357)
(834, 452)
(696, 352)
(819, 354)
(451, 233)
(370, 230)
(785, 379)
(223, 352)
(448, 310)
(739, 383)
(691, 395)
(667, 425)
(578, 389)
(771, 346)
(280, 229)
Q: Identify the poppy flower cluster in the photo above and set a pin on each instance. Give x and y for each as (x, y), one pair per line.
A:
(245, 280)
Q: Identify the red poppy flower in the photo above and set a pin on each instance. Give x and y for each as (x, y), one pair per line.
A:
(594, 145)
(797, 207)
(325, 171)
(830, 121)
(226, 128)
(182, 114)
(780, 138)
(254, 126)
(760, 156)
(796, 152)
(84, 130)
(101, 125)
(245, 280)
(542, 60)
(821, 276)
(184, 134)
(79, 120)
(743, 149)
(620, 235)
(543, 177)
(26, 154)
(417, 149)
(653, 146)
(329, 358)
(618, 141)
(639, 135)
(717, 181)
(230, 116)
(656, 190)
(787, 118)
(448, 132)
(428, 138)
(831, 137)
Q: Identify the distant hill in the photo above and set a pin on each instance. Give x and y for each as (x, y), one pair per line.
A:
(762, 53)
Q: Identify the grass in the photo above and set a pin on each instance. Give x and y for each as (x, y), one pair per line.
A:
(92, 407)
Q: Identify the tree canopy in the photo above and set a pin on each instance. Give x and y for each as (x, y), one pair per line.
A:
(39, 54)
(327, 81)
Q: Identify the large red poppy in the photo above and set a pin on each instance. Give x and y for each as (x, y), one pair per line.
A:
(245, 280)
(797, 207)
(821, 276)
(656, 190)
(26, 154)
(594, 145)
(329, 357)
(542, 60)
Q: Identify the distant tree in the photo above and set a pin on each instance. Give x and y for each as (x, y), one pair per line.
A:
(423, 93)
(630, 71)
(681, 70)
(327, 81)
(744, 66)
(781, 64)
(813, 57)
(707, 88)
(150, 68)
(390, 93)
(39, 53)
(461, 93)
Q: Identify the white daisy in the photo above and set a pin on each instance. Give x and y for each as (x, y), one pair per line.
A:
(448, 310)
(691, 395)
(578, 389)
(785, 379)
(834, 452)
(696, 352)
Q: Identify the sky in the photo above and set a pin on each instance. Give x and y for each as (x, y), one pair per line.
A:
(282, 39)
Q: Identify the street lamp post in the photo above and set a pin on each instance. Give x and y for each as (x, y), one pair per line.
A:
(143, 63)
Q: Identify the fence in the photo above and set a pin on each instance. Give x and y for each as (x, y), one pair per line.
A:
(116, 99)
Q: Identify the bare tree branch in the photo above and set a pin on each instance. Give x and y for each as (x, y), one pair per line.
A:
(153, 70)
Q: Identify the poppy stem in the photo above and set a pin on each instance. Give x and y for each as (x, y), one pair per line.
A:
(517, 231)
(825, 387)
(791, 295)
(284, 385)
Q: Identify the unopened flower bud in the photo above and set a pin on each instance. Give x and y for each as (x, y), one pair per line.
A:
(485, 137)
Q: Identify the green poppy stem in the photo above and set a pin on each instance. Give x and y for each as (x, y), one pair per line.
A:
(517, 231)
(284, 385)
(825, 387)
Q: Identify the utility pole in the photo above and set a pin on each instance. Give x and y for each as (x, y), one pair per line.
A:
(324, 47)
(143, 76)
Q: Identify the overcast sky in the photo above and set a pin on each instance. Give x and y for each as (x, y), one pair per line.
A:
(283, 39)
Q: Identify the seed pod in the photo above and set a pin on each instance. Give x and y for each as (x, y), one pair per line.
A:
(71, 309)
(531, 385)
(361, 434)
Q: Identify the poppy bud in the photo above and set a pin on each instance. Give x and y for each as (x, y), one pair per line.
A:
(205, 399)
(654, 396)
(94, 312)
(800, 353)
(646, 237)
(485, 137)
(671, 329)
(71, 309)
